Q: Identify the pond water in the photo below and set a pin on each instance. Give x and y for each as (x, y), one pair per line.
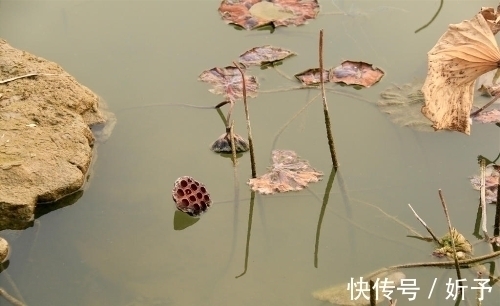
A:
(117, 244)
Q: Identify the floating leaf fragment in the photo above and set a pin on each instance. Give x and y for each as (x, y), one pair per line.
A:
(312, 76)
(403, 104)
(227, 81)
(251, 14)
(464, 52)
(491, 186)
(287, 173)
(489, 116)
(264, 55)
(356, 73)
(191, 196)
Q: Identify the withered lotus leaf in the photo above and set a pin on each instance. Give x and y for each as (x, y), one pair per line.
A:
(312, 76)
(287, 173)
(489, 116)
(464, 52)
(264, 55)
(228, 82)
(356, 73)
(251, 14)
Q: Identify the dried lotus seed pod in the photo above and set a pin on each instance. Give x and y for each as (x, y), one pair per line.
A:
(191, 196)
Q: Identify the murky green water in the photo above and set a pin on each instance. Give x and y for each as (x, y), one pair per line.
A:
(117, 245)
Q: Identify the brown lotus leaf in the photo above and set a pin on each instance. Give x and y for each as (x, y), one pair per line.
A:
(492, 17)
(251, 14)
(287, 173)
(489, 116)
(356, 73)
(466, 51)
(312, 76)
(264, 55)
(228, 82)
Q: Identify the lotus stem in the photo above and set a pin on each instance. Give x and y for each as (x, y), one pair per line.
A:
(247, 117)
(445, 208)
(482, 164)
(233, 145)
(496, 231)
(373, 298)
(325, 105)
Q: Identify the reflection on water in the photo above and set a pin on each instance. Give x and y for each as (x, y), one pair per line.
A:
(117, 245)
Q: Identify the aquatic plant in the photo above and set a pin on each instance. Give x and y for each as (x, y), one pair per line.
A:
(287, 173)
(252, 14)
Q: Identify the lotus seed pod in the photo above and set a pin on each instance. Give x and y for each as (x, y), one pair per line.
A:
(191, 196)
(4, 250)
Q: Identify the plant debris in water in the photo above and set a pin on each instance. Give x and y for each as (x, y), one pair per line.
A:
(191, 196)
(403, 104)
(264, 55)
(251, 14)
(466, 51)
(287, 173)
(339, 295)
(227, 82)
(223, 144)
(356, 73)
(462, 246)
(491, 175)
(312, 76)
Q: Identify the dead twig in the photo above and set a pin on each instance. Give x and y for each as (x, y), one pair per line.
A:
(455, 258)
(426, 227)
(25, 76)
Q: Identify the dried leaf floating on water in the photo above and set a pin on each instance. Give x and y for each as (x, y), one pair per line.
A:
(489, 116)
(287, 173)
(191, 196)
(356, 73)
(251, 14)
(312, 76)
(403, 104)
(466, 51)
(227, 82)
(264, 55)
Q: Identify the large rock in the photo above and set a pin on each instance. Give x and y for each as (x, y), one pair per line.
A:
(46, 144)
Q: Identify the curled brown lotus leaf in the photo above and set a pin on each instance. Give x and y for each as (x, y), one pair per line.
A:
(227, 81)
(287, 173)
(466, 51)
(312, 76)
(264, 55)
(356, 73)
(251, 14)
(492, 17)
